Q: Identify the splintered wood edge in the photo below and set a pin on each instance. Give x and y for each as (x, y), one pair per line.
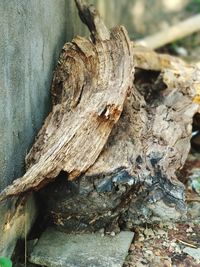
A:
(90, 16)
(50, 164)
(147, 59)
(143, 58)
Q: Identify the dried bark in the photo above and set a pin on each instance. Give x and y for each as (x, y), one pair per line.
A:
(125, 170)
(89, 88)
(134, 179)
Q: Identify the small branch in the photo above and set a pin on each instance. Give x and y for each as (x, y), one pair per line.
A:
(186, 243)
(171, 34)
(91, 18)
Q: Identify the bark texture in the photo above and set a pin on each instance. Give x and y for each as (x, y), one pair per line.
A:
(125, 169)
(134, 179)
(89, 88)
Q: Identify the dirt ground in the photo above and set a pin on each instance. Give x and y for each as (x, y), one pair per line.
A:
(164, 246)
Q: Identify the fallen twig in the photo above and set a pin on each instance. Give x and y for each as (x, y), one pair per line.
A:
(186, 243)
(172, 34)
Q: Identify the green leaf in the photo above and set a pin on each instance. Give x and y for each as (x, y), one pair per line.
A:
(5, 262)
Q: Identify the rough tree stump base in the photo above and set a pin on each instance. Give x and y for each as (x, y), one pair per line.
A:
(119, 132)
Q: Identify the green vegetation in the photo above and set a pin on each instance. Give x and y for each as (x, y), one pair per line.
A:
(5, 262)
(194, 6)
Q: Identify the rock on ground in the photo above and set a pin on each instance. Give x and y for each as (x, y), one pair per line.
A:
(58, 249)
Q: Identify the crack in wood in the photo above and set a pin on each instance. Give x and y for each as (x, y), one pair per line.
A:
(120, 140)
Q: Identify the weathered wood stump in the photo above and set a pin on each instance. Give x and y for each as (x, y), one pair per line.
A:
(114, 139)
(134, 179)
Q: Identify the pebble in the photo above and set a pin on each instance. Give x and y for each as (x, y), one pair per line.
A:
(138, 245)
(173, 244)
(148, 232)
(162, 232)
(149, 252)
(141, 238)
(112, 233)
(157, 252)
(189, 230)
(165, 244)
(181, 51)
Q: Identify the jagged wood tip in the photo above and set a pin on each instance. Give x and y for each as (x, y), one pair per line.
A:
(92, 19)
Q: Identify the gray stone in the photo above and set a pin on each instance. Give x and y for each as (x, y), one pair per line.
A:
(193, 252)
(58, 249)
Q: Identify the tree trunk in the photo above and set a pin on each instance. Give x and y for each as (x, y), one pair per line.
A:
(115, 170)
